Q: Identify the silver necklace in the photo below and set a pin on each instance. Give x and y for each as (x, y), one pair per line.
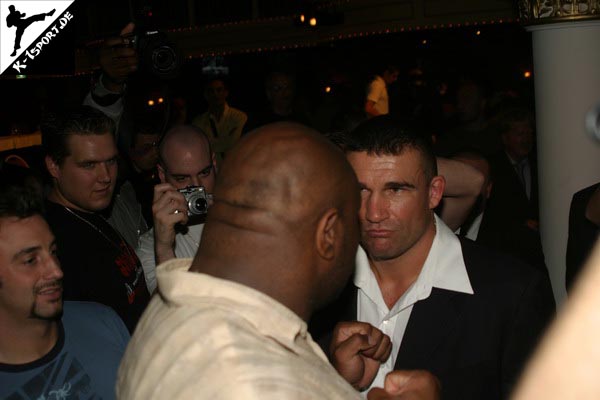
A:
(94, 227)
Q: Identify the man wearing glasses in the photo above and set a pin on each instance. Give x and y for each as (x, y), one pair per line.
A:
(185, 160)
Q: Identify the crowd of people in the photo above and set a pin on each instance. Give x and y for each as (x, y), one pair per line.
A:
(383, 259)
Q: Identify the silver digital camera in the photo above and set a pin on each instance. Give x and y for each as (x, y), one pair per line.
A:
(197, 199)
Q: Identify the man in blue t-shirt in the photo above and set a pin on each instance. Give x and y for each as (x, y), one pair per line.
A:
(48, 350)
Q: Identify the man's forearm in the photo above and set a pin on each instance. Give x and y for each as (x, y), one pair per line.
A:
(163, 253)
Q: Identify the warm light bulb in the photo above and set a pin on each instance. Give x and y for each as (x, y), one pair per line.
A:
(150, 103)
(327, 89)
(424, 41)
(160, 100)
(302, 18)
(527, 74)
(478, 33)
(313, 21)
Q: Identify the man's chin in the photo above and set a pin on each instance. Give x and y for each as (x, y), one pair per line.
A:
(47, 313)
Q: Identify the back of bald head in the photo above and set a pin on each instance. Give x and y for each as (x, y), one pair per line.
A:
(289, 172)
(183, 136)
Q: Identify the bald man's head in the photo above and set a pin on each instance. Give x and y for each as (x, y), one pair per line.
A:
(286, 202)
(288, 170)
(186, 158)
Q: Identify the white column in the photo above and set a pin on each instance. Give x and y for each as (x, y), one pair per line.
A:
(567, 85)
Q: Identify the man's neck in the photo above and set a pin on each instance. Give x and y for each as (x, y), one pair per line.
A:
(57, 197)
(395, 276)
(514, 158)
(27, 341)
(217, 111)
(282, 111)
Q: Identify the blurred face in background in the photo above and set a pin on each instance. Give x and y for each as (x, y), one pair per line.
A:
(216, 94)
(144, 153)
(280, 90)
(518, 140)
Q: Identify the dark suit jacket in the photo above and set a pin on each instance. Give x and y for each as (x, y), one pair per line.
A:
(475, 344)
(508, 200)
(582, 234)
(512, 238)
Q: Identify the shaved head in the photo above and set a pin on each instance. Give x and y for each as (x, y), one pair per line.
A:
(287, 170)
(183, 136)
(285, 206)
(186, 158)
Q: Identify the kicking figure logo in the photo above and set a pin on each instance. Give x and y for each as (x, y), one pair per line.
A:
(18, 20)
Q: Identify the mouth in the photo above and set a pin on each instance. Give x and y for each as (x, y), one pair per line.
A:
(378, 233)
(102, 192)
(52, 292)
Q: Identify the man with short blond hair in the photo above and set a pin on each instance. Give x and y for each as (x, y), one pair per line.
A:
(99, 265)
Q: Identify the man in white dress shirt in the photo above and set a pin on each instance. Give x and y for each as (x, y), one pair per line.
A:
(186, 159)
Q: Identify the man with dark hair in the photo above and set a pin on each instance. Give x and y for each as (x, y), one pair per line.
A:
(231, 323)
(48, 349)
(468, 315)
(514, 198)
(221, 123)
(185, 160)
(280, 89)
(497, 233)
(99, 265)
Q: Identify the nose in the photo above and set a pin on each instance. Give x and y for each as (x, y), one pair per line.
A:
(103, 173)
(375, 208)
(53, 270)
(196, 181)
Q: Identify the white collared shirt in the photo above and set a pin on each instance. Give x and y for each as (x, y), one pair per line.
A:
(472, 229)
(444, 268)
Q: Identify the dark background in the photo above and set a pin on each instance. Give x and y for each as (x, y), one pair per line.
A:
(430, 62)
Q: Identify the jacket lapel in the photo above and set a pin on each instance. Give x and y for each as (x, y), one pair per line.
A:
(431, 321)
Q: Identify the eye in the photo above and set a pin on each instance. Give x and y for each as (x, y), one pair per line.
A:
(30, 261)
(112, 161)
(180, 178)
(88, 165)
(206, 171)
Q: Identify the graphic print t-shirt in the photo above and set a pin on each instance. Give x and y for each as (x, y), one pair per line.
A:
(95, 269)
(82, 365)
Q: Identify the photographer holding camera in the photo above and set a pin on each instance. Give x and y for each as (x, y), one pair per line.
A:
(186, 164)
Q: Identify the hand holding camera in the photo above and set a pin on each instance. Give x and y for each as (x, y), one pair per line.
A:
(118, 59)
(171, 207)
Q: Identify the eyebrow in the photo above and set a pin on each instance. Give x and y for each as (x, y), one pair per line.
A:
(27, 251)
(31, 250)
(208, 167)
(98, 161)
(399, 185)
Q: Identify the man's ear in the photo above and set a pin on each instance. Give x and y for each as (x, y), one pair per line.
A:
(214, 162)
(327, 234)
(436, 191)
(161, 173)
(488, 190)
(52, 167)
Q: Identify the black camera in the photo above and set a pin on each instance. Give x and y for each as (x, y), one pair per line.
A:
(157, 55)
(197, 199)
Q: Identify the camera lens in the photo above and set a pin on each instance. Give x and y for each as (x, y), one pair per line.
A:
(200, 206)
(164, 59)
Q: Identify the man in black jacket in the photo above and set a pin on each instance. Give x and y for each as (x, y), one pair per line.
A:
(468, 315)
